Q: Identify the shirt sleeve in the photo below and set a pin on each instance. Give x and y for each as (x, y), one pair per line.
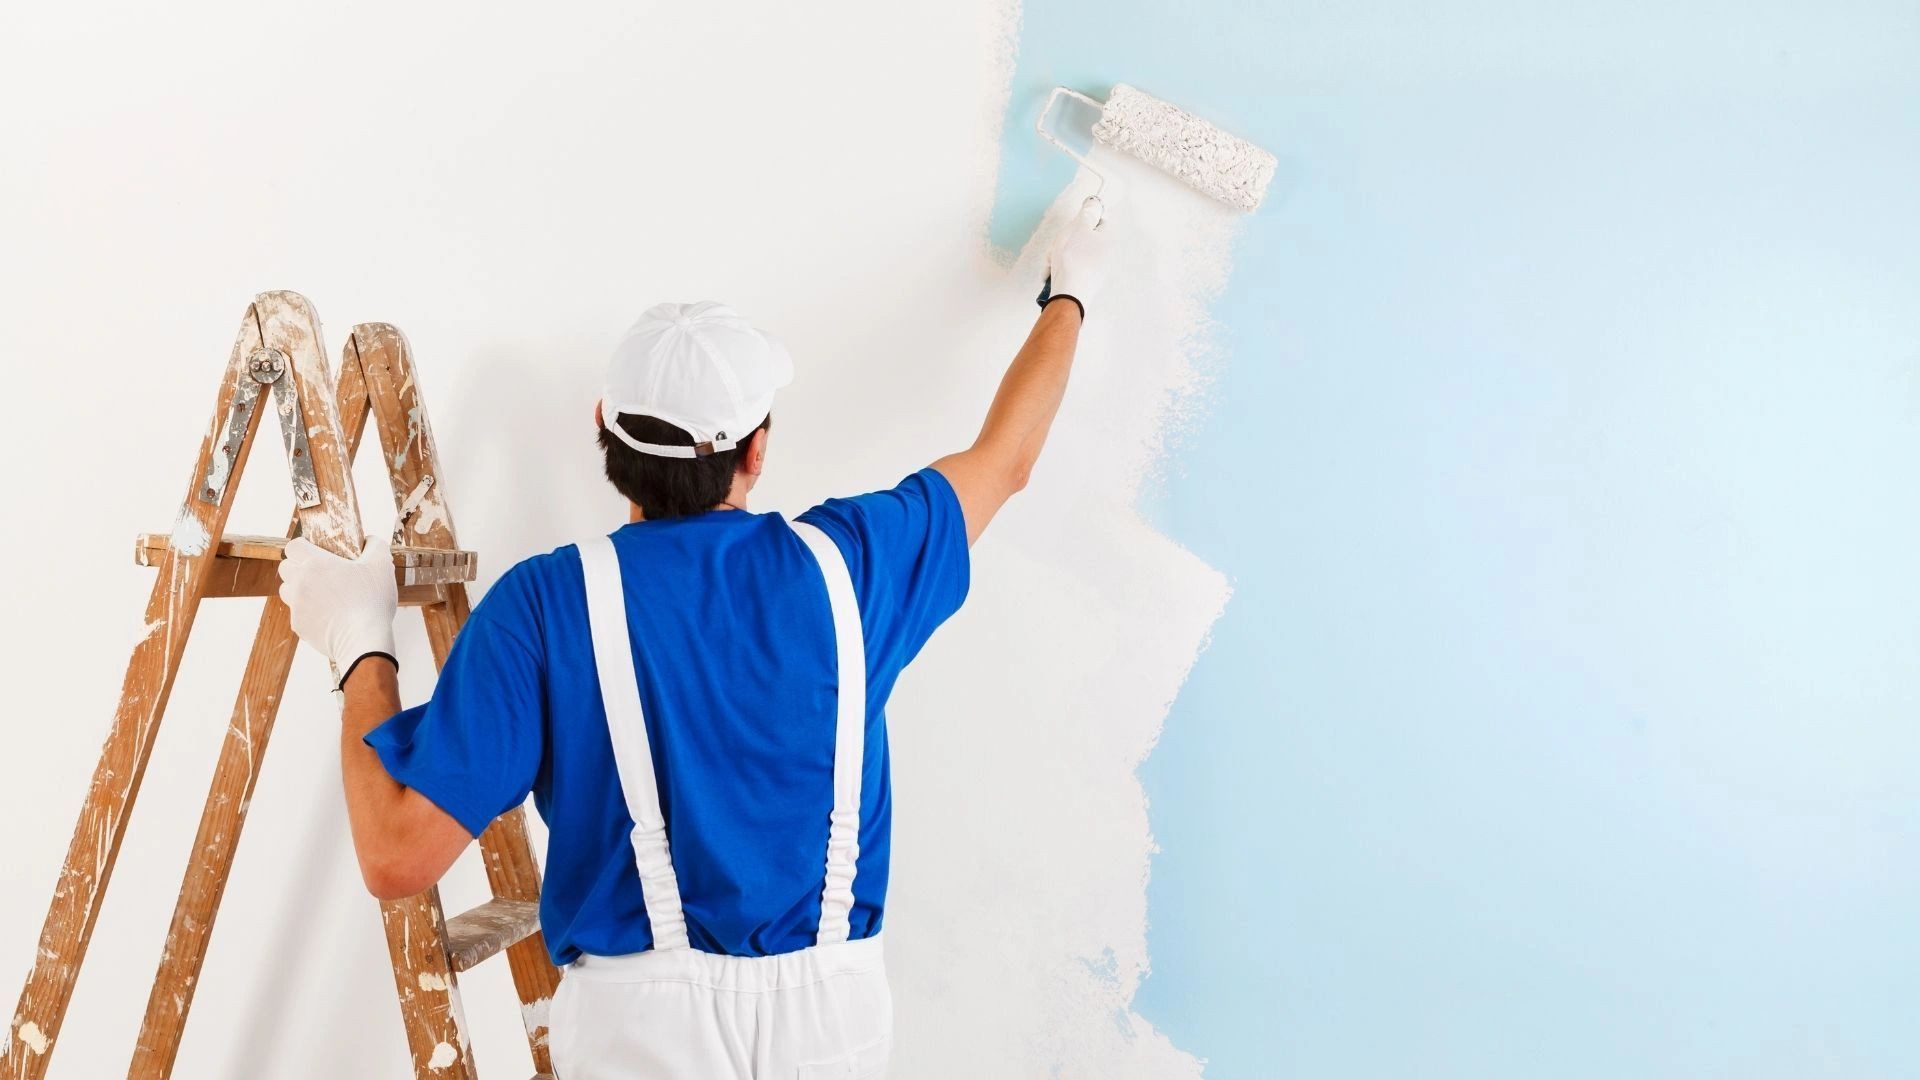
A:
(906, 550)
(475, 748)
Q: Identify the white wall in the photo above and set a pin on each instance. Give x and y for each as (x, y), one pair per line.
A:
(511, 191)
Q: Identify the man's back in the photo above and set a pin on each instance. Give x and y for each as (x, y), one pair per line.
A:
(733, 649)
(696, 709)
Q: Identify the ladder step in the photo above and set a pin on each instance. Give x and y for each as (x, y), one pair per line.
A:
(474, 935)
(248, 566)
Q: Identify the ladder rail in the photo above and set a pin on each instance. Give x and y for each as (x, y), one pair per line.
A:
(377, 362)
(282, 321)
(224, 815)
(278, 357)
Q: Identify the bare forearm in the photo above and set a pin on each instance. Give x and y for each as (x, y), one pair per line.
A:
(372, 694)
(404, 842)
(345, 608)
(1030, 393)
(998, 463)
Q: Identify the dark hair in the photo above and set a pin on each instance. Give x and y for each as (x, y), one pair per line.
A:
(669, 487)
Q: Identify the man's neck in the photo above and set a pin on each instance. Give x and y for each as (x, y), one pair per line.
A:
(735, 500)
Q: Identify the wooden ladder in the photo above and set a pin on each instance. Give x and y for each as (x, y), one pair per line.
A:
(278, 367)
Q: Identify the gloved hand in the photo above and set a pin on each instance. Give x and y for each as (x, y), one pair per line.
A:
(1077, 265)
(343, 607)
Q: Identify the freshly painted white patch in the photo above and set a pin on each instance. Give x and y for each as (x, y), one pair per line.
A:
(189, 536)
(1022, 838)
(443, 1055)
(35, 1039)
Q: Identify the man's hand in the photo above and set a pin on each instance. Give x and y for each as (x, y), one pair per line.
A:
(342, 607)
(1078, 261)
(345, 609)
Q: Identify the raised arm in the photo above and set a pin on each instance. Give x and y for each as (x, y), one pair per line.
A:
(986, 474)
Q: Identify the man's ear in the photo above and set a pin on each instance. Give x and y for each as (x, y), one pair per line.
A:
(598, 423)
(755, 459)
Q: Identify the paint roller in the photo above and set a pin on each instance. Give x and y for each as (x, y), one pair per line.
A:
(1213, 162)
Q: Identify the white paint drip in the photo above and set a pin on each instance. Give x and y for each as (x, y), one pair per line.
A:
(35, 1039)
(432, 981)
(219, 469)
(401, 456)
(443, 1056)
(411, 501)
(432, 511)
(459, 1016)
(534, 1016)
(189, 536)
(243, 731)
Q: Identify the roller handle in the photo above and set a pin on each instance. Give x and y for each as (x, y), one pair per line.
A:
(1099, 208)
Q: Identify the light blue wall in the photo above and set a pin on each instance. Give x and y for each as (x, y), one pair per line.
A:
(1563, 723)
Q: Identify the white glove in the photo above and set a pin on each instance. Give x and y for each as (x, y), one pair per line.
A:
(343, 607)
(1078, 261)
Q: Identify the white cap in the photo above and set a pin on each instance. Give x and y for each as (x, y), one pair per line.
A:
(696, 366)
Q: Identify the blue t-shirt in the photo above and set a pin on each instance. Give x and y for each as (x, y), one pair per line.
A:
(733, 647)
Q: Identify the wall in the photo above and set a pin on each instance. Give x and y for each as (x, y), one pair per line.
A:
(1544, 426)
(1561, 722)
(512, 191)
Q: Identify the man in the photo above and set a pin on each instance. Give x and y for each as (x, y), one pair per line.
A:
(696, 705)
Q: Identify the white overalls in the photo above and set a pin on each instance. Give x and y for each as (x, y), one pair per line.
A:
(673, 1012)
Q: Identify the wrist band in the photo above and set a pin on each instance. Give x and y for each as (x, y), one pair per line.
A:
(388, 657)
(1067, 296)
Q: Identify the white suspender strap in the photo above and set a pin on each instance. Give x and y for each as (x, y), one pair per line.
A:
(849, 735)
(632, 756)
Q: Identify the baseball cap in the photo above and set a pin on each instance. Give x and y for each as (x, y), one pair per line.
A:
(701, 367)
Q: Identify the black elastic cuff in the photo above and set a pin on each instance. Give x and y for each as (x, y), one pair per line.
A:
(388, 657)
(1067, 296)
